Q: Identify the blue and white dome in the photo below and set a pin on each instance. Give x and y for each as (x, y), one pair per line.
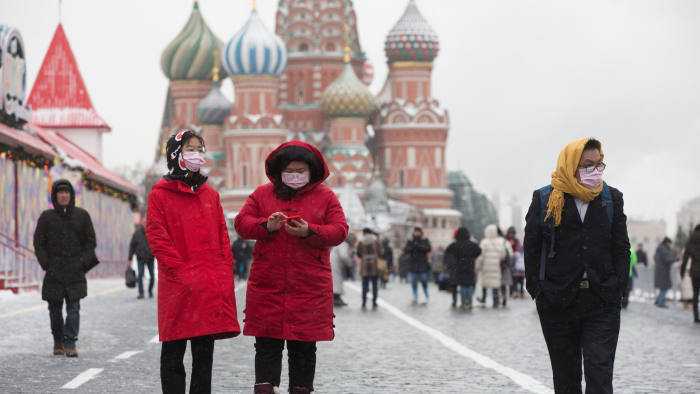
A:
(254, 50)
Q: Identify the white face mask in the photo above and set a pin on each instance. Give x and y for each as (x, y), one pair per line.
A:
(295, 180)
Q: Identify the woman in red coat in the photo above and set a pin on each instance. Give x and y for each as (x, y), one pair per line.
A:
(295, 220)
(187, 233)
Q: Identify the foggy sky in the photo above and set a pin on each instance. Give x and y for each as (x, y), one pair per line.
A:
(520, 79)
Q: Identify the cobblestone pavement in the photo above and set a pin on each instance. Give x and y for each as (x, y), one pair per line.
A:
(441, 351)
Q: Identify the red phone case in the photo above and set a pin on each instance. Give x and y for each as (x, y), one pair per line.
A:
(296, 217)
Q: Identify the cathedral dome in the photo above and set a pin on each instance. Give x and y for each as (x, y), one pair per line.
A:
(213, 108)
(254, 50)
(411, 38)
(191, 55)
(348, 96)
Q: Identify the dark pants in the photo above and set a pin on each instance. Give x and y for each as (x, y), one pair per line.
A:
(696, 292)
(268, 362)
(518, 282)
(65, 331)
(588, 327)
(365, 288)
(149, 265)
(172, 370)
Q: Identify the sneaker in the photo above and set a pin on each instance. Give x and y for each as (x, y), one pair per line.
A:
(662, 305)
(71, 351)
(150, 294)
(58, 349)
(140, 297)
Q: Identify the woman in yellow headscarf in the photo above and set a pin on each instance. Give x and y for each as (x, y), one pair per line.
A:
(577, 267)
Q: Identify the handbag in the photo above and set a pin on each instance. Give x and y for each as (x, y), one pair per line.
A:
(130, 277)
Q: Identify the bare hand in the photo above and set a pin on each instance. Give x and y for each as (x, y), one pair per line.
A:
(297, 227)
(274, 222)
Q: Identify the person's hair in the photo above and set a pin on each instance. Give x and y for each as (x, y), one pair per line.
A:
(697, 228)
(281, 160)
(592, 144)
(367, 230)
(198, 137)
(418, 229)
(462, 234)
(667, 239)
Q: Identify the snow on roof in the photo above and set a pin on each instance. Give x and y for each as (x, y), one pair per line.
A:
(59, 98)
(441, 212)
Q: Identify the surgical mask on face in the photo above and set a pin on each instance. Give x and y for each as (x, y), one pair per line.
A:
(295, 180)
(592, 179)
(193, 160)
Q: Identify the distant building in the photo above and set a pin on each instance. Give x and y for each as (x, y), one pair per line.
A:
(689, 215)
(650, 233)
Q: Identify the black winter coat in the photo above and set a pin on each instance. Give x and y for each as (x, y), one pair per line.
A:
(417, 249)
(603, 252)
(64, 243)
(459, 261)
(692, 251)
(139, 245)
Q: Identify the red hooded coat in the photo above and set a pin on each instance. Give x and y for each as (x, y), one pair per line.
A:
(187, 233)
(290, 289)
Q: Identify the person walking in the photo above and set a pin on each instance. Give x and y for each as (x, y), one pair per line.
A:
(187, 232)
(242, 254)
(630, 283)
(64, 244)
(663, 259)
(489, 263)
(692, 255)
(388, 256)
(577, 257)
(506, 267)
(144, 258)
(341, 257)
(518, 270)
(459, 262)
(641, 255)
(416, 250)
(295, 220)
(368, 250)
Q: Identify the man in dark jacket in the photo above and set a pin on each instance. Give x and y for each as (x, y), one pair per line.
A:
(242, 254)
(663, 258)
(64, 242)
(692, 252)
(579, 289)
(417, 250)
(139, 247)
(641, 255)
(459, 262)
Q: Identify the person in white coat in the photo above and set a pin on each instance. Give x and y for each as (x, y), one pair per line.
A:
(341, 257)
(488, 265)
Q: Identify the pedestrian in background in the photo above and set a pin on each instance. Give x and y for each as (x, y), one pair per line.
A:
(641, 255)
(630, 283)
(416, 250)
(369, 250)
(663, 259)
(64, 243)
(518, 270)
(506, 266)
(341, 257)
(144, 258)
(691, 256)
(489, 263)
(459, 262)
(577, 256)
(388, 256)
(187, 232)
(242, 254)
(295, 220)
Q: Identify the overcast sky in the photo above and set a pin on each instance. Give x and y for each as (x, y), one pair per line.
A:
(520, 79)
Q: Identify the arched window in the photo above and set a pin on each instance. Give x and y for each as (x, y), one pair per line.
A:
(300, 96)
(330, 47)
(245, 176)
(303, 47)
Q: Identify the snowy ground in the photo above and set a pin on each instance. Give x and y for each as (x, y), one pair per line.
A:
(398, 348)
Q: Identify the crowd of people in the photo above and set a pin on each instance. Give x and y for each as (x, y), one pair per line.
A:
(295, 249)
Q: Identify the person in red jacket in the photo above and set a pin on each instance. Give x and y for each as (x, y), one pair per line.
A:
(187, 233)
(295, 220)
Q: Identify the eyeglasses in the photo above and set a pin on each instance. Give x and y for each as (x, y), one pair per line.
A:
(600, 167)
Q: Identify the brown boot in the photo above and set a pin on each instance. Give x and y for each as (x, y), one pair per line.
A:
(263, 388)
(71, 351)
(300, 390)
(58, 349)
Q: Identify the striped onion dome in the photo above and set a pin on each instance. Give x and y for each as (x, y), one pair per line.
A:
(212, 110)
(254, 50)
(347, 96)
(191, 55)
(412, 38)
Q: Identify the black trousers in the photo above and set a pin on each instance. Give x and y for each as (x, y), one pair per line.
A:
(366, 280)
(696, 292)
(589, 327)
(172, 370)
(268, 362)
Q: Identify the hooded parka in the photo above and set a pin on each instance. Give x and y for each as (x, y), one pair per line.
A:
(493, 250)
(459, 259)
(290, 288)
(187, 233)
(64, 243)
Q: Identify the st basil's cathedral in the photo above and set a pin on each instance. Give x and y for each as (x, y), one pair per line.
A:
(309, 81)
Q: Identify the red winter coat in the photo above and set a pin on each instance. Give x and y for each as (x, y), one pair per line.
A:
(187, 234)
(290, 288)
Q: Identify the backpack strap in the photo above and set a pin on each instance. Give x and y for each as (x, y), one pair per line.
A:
(607, 202)
(545, 192)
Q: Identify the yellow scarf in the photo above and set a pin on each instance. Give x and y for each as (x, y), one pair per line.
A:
(564, 180)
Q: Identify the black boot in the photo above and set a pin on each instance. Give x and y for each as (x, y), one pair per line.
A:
(337, 301)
